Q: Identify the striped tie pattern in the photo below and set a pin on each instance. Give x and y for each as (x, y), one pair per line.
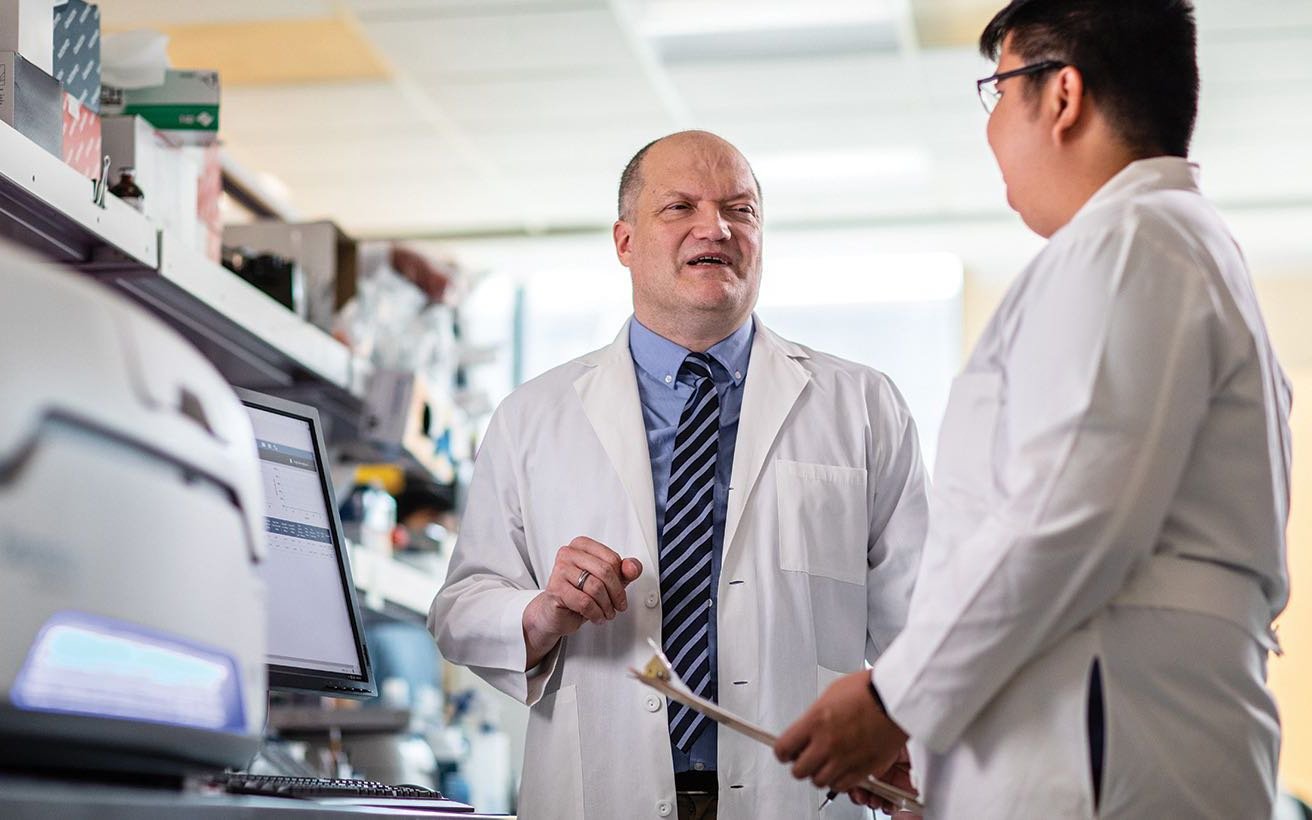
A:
(686, 549)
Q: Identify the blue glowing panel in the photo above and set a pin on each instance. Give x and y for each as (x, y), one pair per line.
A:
(89, 665)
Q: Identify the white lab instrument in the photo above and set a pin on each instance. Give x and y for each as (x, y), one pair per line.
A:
(130, 527)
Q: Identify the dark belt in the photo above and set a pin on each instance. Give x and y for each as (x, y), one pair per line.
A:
(694, 781)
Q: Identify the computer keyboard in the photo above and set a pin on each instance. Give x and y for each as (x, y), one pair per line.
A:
(314, 788)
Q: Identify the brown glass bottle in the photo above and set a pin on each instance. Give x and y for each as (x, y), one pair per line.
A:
(127, 189)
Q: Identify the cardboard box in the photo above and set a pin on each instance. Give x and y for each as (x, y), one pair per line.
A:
(401, 413)
(27, 26)
(81, 137)
(31, 101)
(186, 106)
(77, 51)
(330, 259)
(166, 176)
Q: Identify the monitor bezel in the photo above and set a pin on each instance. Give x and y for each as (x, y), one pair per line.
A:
(298, 679)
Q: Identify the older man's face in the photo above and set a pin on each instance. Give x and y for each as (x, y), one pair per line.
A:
(692, 239)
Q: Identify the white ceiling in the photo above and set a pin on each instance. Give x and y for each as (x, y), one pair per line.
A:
(515, 115)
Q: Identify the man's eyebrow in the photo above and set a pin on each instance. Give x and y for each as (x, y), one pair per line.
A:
(670, 193)
(747, 194)
(673, 194)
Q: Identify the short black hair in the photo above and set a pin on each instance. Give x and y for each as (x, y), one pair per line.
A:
(631, 178)
(1138, 59)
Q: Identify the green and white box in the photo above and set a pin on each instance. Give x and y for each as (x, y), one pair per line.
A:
(186, 106)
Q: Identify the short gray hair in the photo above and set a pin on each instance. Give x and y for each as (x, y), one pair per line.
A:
(631, 178)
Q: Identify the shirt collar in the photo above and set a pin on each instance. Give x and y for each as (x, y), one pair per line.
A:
(1154, 173)
(661, 359)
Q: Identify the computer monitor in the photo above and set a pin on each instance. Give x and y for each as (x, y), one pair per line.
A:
(315, 636)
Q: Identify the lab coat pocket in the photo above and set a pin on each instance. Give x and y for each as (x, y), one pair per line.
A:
(822, 520)
(824, 677)
(553, 784)
(964, 465)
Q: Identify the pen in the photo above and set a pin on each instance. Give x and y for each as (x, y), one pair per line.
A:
(829, 798)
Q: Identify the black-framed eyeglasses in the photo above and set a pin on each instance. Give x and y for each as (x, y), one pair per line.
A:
(988, 87)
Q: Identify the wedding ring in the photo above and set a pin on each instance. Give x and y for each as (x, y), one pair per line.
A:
(583, 579)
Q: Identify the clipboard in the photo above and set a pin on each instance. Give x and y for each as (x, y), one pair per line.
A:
(659, 675)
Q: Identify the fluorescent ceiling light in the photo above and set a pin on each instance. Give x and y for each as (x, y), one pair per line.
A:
(906, 165)
(672, 18)
(691, 32)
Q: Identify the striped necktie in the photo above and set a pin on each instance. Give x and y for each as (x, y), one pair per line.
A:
(685, 557)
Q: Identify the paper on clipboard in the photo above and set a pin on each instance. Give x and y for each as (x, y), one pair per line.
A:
(659, 675)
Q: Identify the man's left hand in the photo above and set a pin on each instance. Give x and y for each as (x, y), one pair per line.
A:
(843, 737)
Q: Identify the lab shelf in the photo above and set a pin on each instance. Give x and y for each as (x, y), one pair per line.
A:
(384, 580)
(47, 206)
(230, 318)
(254, 341)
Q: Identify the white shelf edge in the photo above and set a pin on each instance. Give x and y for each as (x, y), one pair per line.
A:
(245, 305)
(64, 195)
(65, 191)
(387, 578)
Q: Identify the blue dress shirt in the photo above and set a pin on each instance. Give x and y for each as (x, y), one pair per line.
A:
(663, 392)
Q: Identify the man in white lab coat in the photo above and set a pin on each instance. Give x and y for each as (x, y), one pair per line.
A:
(755, 506)
(1089, 631)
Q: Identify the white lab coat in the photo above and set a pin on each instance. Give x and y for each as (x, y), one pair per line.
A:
(1112, 484)
(826, 519)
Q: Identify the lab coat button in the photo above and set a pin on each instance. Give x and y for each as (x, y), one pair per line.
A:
(664, 808)
(653, 703)
(652, 601)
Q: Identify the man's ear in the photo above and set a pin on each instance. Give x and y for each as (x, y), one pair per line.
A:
(622, 232)
(1066, 101)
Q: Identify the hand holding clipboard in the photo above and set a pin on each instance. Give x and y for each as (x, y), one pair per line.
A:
(659, 675)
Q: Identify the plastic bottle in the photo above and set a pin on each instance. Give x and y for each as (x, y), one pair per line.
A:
(378, 519)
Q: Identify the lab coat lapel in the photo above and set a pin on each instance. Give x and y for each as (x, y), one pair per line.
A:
(774, 382)
(608, 390)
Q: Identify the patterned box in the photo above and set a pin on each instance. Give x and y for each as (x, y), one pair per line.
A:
(77, 51)
(81, 137)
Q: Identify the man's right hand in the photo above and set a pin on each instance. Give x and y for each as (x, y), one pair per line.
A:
(562, 607)
(899, 776)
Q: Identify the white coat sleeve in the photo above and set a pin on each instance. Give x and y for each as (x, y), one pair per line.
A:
(1107, 380)
(899, 516)
(477, 616)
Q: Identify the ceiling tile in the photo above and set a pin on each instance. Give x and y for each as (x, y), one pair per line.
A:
(531, 103)
(125, 14)
(503, 46)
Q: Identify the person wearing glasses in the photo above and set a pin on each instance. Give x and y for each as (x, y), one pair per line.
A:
(1089, 631)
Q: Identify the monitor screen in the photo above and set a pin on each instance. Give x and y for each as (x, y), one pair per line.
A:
(315, 639)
